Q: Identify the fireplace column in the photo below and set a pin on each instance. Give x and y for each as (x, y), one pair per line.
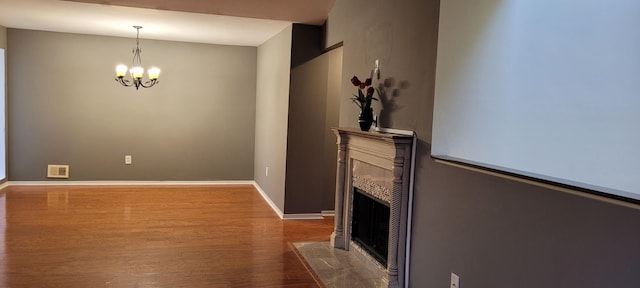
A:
(337, 237)
(394, 215)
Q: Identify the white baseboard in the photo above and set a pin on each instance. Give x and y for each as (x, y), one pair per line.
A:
(305, 216)
(126, 183)
(266, 198)
(328, 213)
(282, 215)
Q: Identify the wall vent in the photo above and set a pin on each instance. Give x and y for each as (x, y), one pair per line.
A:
(58, 171)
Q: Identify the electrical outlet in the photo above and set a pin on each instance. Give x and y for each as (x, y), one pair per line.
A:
(127, 159)
(266, 171)
(455, 281)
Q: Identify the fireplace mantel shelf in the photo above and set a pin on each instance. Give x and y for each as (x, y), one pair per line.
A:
(379, 135)
(378, 164)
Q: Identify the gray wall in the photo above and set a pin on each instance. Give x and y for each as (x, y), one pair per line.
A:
(492, 231)
(295, 109)
(3, 37)
(272, 103)
(65, 108)
(311, 148)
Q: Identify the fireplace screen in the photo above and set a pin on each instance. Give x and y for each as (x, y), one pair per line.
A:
(370, 225)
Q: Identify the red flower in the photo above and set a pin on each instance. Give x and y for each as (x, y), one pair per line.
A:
(370, 91)
(365, 96)
(355, 81)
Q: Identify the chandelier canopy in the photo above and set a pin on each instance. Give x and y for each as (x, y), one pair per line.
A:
(136, 70)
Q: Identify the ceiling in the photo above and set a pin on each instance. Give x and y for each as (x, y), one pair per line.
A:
(229, 22)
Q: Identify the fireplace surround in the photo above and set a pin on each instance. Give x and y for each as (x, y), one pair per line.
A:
(378, 165)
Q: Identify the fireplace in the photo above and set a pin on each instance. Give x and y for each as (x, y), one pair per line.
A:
(370, 225)
(372, 196)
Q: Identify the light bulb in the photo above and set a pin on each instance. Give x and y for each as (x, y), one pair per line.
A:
(121, 70)
(154, 73)
(136, 72)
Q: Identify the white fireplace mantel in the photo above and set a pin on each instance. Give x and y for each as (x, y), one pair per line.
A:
(379, 164)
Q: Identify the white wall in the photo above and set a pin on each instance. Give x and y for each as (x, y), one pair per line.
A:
(543, 88)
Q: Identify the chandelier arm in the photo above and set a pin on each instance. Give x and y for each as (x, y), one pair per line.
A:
(148, 84)
(124, 82)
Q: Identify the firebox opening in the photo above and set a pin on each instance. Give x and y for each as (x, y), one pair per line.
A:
(370, 225)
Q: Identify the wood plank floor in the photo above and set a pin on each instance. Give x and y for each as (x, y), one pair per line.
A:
(95, 236)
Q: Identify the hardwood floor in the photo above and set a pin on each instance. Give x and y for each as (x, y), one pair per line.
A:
(209, 236)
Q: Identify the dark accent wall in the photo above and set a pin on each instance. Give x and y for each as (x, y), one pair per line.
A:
(306, 43)
(491, 231)
(66, 108)
(311, 149)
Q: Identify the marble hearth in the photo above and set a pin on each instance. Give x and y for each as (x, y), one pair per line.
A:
(378, 164)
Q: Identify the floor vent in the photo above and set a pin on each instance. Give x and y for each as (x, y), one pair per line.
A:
(58, 171)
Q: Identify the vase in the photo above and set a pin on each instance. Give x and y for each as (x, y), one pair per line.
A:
(365, 119)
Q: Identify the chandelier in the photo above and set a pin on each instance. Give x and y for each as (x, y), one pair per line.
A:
(137, 71)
